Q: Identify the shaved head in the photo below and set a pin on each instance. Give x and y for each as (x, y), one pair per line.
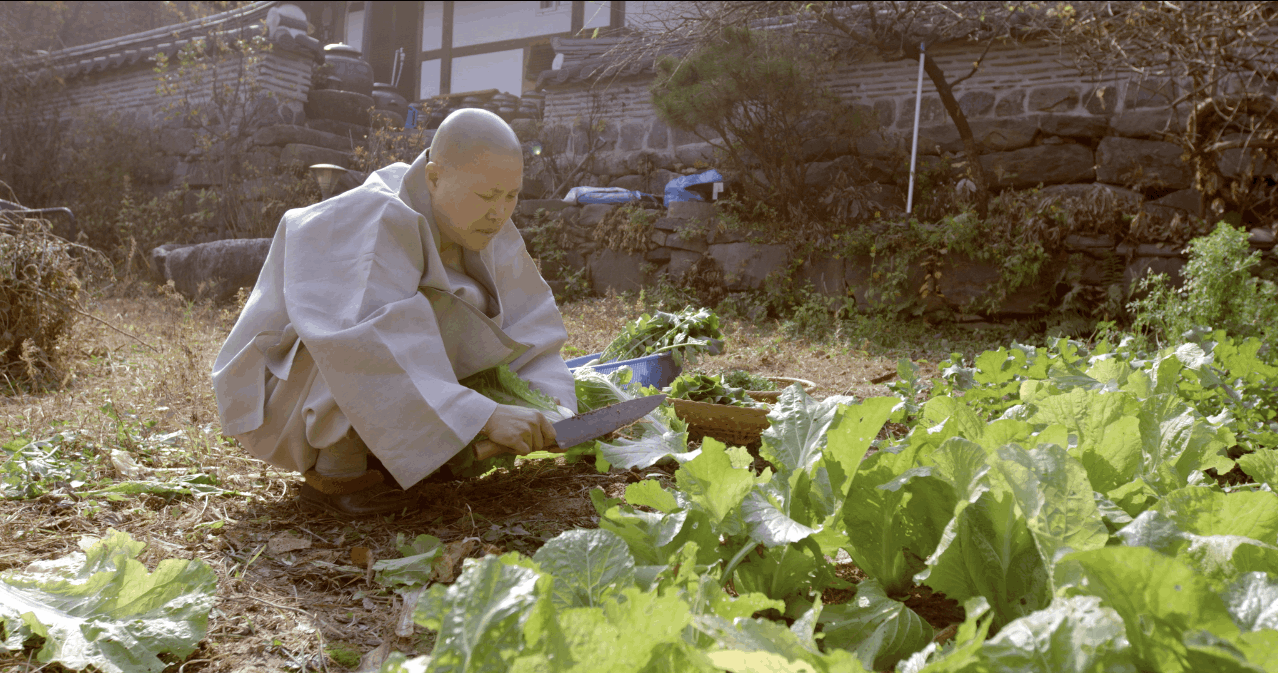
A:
(468, 133)
(474, 174)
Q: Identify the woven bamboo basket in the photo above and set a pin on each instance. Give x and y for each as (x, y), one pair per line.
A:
(782, 382)
(735, 426)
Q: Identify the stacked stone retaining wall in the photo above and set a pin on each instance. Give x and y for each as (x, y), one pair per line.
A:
(1039, 124)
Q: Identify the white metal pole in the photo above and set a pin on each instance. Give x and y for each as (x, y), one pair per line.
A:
(914, 153)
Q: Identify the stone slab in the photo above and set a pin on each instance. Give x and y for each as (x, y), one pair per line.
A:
(529, 207)
(617, 271)
(1045, 164)
(660, 255)
(1073, 126)
(681, 261)
(688, 238)
(1141, 163)
(693, 210)
(215, 270)
(698, 155)
(280, 135)
(1233, 163)
(746, 265)
(825, 274)
(593, 213)
(342, 106)
(1122, 197)
(1147, 123)
(637, 183)
(1188, 200)
(999, 135)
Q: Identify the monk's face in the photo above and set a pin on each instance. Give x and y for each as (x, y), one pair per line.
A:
(471, 202)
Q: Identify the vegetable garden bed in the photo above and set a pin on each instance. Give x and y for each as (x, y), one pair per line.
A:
(1032, 500)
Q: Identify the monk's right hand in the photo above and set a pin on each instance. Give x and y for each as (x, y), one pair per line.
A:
(519, 430)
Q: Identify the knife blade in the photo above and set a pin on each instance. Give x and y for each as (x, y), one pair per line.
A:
(595, 424)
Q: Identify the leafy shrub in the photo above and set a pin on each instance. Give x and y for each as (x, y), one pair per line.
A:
(1220, 291)
(385, 146)
(627, 228)
(763, 93)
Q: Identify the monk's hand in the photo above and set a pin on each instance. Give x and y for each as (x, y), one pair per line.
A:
(519, 430)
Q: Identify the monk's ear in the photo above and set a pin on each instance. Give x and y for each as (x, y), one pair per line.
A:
(433, 171)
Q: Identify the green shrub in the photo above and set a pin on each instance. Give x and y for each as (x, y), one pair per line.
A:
(1221, 290)
(764, 92)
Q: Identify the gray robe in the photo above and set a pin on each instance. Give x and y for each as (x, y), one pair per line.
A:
(358, 280)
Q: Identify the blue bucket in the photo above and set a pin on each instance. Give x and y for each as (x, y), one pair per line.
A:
(651, 370)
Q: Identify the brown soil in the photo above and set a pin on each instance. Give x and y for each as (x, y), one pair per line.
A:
(935, 608)
(1233, 477)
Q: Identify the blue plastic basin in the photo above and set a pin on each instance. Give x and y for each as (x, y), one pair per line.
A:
(651, 370)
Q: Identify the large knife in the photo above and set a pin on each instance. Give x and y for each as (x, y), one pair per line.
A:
(585, 427)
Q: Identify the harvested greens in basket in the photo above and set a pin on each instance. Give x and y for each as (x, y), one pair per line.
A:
(686, 335)
(740, 378)
(710, 389)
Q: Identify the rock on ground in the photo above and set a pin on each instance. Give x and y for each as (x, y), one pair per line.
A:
(215, 270)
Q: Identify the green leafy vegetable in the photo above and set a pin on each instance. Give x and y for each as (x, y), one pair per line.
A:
(685, 335)
(1163, 603)
(416, 567)
(103, 609)
(588, 565)
(882, 631)
(1052, 490)
(31, 469)
(740, 378)
(711, 390)
(479, 616)
(1072, 635)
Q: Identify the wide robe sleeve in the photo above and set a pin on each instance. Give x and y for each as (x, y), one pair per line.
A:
(530, 316)
(351, 275)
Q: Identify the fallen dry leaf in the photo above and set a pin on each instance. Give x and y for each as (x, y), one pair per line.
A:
(447, 567)
(361, 557)
(287, 542)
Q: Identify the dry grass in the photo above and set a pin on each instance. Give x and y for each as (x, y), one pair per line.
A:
(279, 610)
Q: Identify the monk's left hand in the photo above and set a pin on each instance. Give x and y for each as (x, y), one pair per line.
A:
(519, 430)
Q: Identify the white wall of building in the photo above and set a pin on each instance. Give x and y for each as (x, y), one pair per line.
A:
(430, 79)
(648, 14)
(501, 70)
(478, 22)
(355, 29)
(598, 14)
(432, 26)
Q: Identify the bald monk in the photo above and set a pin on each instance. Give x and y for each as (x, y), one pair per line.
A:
(370, 308)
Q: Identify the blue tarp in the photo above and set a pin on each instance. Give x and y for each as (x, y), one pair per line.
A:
(588, 195)
(677, 189)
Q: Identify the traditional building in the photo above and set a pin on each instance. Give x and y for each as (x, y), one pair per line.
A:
(465, 46)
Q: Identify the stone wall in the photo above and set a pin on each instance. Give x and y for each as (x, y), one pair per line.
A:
(284, 78)
(1023, 96)
(1039, 123)
(689, 234)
